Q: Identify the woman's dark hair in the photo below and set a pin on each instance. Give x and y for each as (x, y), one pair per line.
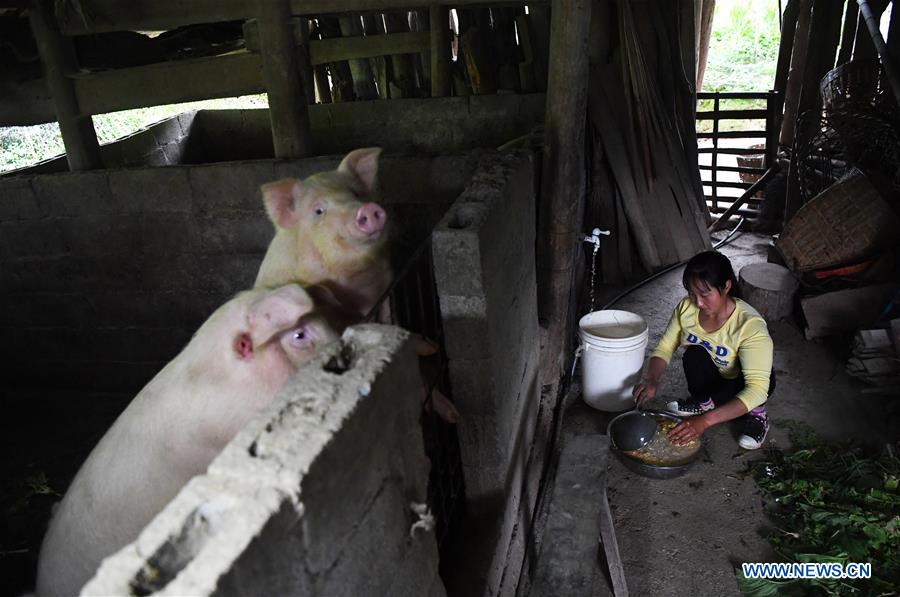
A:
(712, 269)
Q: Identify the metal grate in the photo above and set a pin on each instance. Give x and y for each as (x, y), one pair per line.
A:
(414, 306)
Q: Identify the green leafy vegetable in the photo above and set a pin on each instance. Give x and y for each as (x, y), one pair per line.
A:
(830, 503)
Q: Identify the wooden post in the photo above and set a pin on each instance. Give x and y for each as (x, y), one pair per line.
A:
(824, 34)
(341, 77)
(851, 15)
(303, 62)
(440, 50)
(401, 78)
(795, 76)
(77, 129)
(360, 69)
(287, 101)
(373, 25)
(704, 34)
(786, 47)
(863, 48)
(773, 126)
(563, 176)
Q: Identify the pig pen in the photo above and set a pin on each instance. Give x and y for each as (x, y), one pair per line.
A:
(106, 274)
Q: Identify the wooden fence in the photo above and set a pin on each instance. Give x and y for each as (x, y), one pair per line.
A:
(754, 154)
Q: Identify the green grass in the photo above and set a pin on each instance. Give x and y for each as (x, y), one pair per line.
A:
(22, 146)
(743, 52)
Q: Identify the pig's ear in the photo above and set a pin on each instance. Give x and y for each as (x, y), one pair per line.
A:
(276, 311)
(280, 198)
(363, 164)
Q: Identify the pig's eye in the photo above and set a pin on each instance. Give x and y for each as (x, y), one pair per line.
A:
(302, 337)
(319, 210)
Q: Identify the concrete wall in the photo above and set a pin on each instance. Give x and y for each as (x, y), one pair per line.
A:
(484, 254)
(311, 498)
(429, 126)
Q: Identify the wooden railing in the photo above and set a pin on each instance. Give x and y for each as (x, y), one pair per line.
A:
(749, 170)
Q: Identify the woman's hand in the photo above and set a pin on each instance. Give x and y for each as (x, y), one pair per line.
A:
(644, 391)
(688, 430)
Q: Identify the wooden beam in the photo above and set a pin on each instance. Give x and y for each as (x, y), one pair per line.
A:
(851, 15)
(350, 48)
(337, 49)
(98, 16)
(703, 37)
(563, 175)
(169, 83)
(440, 50)
(786, 47)
(287, 100)
(76, 126)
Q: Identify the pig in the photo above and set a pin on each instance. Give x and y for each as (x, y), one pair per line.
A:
(330, 236)
(176, 425)
(330, 232)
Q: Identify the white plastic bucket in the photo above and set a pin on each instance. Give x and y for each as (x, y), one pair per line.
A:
(612, 344)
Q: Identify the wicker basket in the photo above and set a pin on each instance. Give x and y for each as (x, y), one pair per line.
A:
(845, 223)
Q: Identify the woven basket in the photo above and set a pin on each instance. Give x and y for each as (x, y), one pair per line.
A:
(846, 223)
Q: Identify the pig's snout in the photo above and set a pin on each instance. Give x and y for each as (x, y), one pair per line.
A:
(370, 218)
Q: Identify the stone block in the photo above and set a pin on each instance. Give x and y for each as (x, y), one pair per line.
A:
(18, 200)
(464, 327)
(97, 236)
(32, 238)
(164, 235)
(232, 186)
(225, 273)
(234, 234)
(143, 190)
(77, 194)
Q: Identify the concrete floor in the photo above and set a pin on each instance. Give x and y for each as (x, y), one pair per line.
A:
(685, 536)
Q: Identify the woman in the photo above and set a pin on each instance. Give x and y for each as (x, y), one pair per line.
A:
(727, 360)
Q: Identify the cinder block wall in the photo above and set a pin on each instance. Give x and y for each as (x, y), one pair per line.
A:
(484, 254)
(422, 126)
(313, 497)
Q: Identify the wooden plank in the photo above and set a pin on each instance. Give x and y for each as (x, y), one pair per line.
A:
(579, 528)
(337, 49)
(851, 17)
(740, 169)
(786, 46)
(98, 16)
(729, 95)
(732, 185)
(287, 99)
(76, 126)
(169, 83)
(731, 150)
(360, 69)
(731, 114)
(440, 51)
(734, 135)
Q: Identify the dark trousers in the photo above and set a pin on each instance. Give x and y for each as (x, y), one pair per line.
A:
(705, 382)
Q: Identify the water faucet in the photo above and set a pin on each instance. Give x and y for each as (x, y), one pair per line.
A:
(594, 237)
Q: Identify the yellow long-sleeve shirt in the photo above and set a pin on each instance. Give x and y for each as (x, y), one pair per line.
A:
(741, 345)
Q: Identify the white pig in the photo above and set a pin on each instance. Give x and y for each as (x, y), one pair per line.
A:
(176, 425)
(330, 232)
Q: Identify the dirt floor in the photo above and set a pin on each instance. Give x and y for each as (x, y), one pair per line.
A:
(685, 536)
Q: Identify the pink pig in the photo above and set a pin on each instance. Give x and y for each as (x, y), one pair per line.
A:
(176, 425)
(328, 231)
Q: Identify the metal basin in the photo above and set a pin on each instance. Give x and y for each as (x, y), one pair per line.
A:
(654, 471)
